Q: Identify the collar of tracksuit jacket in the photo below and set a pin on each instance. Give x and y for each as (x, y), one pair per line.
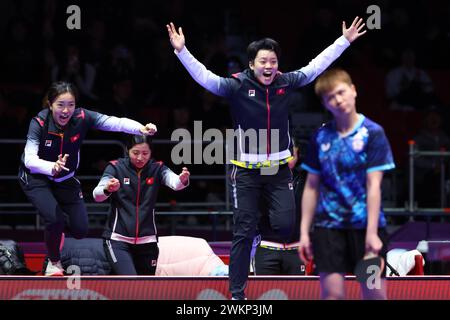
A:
(55, 140)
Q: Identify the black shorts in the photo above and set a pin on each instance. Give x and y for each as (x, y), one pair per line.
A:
(339, 250)
(278, 262)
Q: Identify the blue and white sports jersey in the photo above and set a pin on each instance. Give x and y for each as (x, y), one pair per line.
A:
(342, 162)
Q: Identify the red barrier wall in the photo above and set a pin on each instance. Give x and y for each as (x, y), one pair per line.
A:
(206, 288)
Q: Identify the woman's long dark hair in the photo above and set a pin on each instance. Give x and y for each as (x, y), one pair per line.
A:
(138, 139)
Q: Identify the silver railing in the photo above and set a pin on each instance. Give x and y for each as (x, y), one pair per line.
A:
(220, 208)
(443, 156)
(223, 208)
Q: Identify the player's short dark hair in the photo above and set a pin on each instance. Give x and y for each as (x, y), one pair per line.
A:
(263, 44)
(331, 78)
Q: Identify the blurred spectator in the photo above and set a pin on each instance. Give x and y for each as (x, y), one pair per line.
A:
(317, 35)
(428, 169)
(96, 43)
(75, 69)
(7, 121)
(120, 101)
(435, 44)
(212, 112)
(49, 63)
(181, 118)
(17, 54)
(398, 33)
(215, 53)
(162, 85)
(120, 63)
(48, 33)
(409, 87)
(234, 65)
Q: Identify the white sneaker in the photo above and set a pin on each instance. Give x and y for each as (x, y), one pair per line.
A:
(238, 298)
(54, 269)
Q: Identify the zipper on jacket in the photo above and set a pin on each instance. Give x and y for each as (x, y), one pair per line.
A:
(137, 206)
(268, 122)
(61, 135)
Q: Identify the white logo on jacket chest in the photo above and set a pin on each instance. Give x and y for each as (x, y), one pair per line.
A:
(325, 147)
(251, 93)
(358, 139)
(126, 180)
(48, 143)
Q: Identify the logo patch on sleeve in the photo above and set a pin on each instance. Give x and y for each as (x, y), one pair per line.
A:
(40, 121)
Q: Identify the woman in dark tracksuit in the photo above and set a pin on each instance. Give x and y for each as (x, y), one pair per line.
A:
(51, 158)
(132, 184)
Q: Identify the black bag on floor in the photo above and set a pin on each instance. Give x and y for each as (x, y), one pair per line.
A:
(12, 261)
